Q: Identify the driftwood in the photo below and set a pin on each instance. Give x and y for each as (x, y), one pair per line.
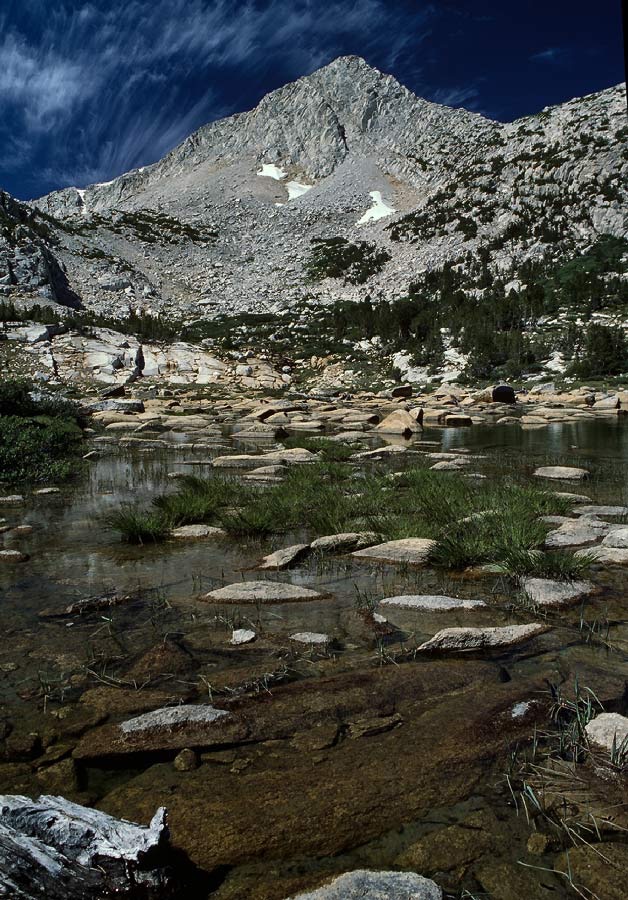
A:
(54, 849)
(88, 605)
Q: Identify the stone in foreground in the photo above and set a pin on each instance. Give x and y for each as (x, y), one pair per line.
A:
(608, 730)
(461, 639)
(364, 885)
(406, 550)
(60, 850)
(261, 592)
(545, 592)
(431, 602)
(282, 559)
(561, 473)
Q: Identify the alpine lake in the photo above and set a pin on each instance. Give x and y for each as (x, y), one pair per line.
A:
(347, 746)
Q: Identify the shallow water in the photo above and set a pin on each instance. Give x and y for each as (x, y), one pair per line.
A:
(47, 664)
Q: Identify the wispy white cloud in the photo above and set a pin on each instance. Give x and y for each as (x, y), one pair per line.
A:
(550, 55)
(456, 96)
(104, 88)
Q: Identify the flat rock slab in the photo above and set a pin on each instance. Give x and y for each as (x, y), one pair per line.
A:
(282, 559)
(577, 535)
(545, 592)
(612, 556)
(261, 592)
(406, 550)
(275, 457)
(190, 532)
(567, 495)
(43, 492)
(11, 500)
(561, 473)
(171, 717)
(592, 510)
(608, 730)
(310, 637)
(345, 541)
(429, 602)
(461, 639)
(380, 452)
(363, 885)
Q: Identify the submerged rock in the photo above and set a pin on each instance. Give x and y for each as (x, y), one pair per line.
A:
(406, 550)
(430, 602)
(364, 885)
(545, 592)
(261, 592)
(561, 473)
(461, 639)
(598, 869)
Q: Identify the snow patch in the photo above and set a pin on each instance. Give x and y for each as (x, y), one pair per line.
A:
(520, 709)
(556, 362)
(296, 189)
(378, 210)
(270, 170)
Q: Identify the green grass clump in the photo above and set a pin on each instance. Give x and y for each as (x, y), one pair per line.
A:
(137, 526)
(493, 522)
(40, 435)
(199, 500)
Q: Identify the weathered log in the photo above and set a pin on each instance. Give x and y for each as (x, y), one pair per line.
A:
(54, 849)
(88, 605)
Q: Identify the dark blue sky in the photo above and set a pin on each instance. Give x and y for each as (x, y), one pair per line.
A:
(92, 88)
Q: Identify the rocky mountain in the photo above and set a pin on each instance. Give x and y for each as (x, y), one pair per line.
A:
(339, 186)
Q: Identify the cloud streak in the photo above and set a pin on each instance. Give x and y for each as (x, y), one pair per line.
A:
(101, 88)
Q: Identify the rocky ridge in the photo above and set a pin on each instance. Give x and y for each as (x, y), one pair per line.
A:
(225, 222)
